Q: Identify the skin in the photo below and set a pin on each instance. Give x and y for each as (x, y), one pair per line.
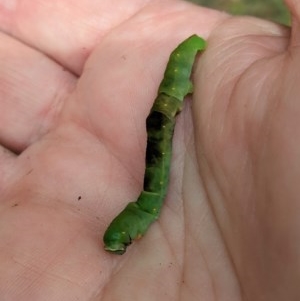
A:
(76, 86)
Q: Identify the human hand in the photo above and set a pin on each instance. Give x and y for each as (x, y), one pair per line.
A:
(246, 114)
(77, 82)
(225, 231)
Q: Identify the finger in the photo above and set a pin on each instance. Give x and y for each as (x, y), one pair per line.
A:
(294, 7)
(32, 89)
(64, 30)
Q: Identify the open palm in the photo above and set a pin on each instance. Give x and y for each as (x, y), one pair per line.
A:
(77, 83)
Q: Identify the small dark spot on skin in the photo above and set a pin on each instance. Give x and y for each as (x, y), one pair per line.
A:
(79, 198)
(97, 217)
(15, 205)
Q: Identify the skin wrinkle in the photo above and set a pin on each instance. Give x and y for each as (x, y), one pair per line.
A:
(219, 227)
(203, 254)
(43, 271)
(171, 250)
(204, 260)
(213, 173)
(142, 145)
(127, 168)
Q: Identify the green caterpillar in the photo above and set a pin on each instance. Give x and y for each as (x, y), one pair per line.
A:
(135, 219)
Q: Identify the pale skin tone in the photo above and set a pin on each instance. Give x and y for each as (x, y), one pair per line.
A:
(77, 81)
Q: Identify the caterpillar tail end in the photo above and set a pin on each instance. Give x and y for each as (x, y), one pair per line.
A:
(129, 225)
(116, 242)
(118, 249)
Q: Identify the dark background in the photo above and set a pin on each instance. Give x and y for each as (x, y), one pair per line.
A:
(274, 10)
